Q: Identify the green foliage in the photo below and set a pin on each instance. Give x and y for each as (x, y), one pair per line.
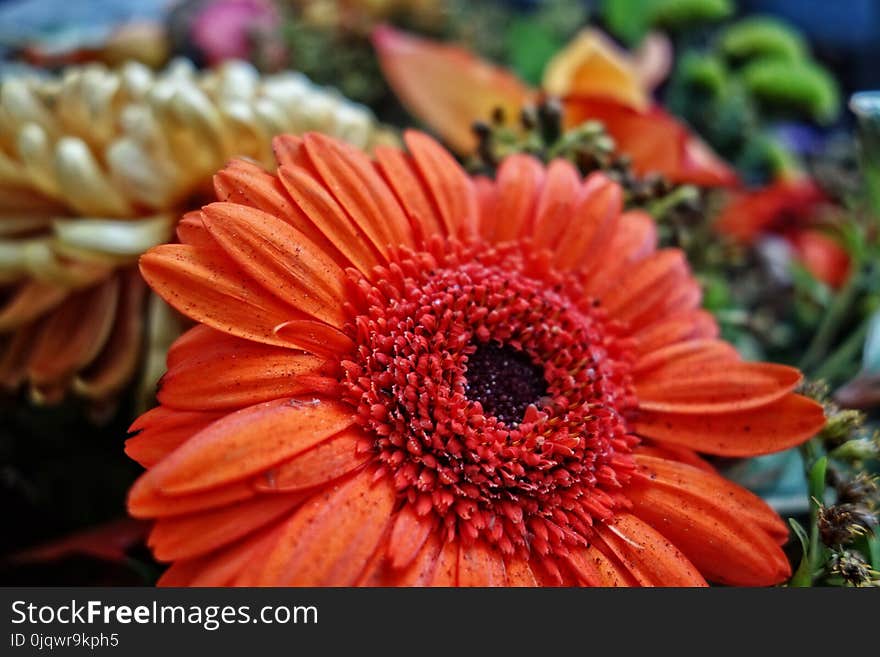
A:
(531, 39)
(706, 73)
(680, 13)
(630, 20)
(762, 37)
(800, 85)
(530, 46)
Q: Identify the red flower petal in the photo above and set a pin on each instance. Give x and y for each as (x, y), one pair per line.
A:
(726, 545)
(330, 459)
(654, 140)
(519, 181)
(771, 428)
(249, 441)
(736, 387)
(408, 534)
(206, 286)
(281, 259)
(450, 187)
(330, 539)
(230, 373)
(648, 555)
(182, 537)
(480, 565)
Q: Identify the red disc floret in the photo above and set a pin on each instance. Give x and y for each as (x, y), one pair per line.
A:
(537, 483)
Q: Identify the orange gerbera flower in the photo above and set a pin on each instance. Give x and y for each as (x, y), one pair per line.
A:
(405, 376)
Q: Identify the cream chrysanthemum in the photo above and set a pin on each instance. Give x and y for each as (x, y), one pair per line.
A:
(95, 168)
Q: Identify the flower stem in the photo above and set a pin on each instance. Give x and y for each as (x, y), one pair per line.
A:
(843, 356)
(830, 323)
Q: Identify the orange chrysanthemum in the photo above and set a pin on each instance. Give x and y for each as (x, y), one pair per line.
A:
(404, 376)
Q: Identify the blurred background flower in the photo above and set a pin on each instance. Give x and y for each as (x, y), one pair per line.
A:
(97, 167)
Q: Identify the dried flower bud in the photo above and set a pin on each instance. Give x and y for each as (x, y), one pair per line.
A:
(840, 524)
(852, 568)
(860, 489)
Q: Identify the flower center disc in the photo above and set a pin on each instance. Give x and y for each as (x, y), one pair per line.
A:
(505, 381)
(495, 395)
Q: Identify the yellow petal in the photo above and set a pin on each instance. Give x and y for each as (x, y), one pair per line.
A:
(592, 65)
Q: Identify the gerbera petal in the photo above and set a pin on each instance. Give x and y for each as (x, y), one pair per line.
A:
(419, 571)
(556, 203)
(191, 230)
(161, 431)
(480, 565)
(398, 170)
(354, 181)
(590, 226)
(642, 284)
(648, 555)
(315, 337)
(519, 182)
(634, 239)
(290, 152)
(281, 259)
(463, 87)
(246, 183)
(145, 500)
(331, 459)
(182, 537)
(230, 372)
(446, 569)
(364, 246)
(675, 453)
(329, 540)
(249, 441)
(692, 479)
(611, 572)
(674, 294)
(408, 534)
(681, 326)
(681, 354)
(206, 286)
(74, 334)
(224, 567)
(736, 387)
(583, 567)
(452, 190)
(725, 545)
(519, 573)
(182, 572)
(779, 425)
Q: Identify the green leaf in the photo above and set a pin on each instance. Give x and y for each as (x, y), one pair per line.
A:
(705, 72)
(800, 87)
(803, 576)
(760, 37)
(628, 20)
(871, 353)
(529, 47)
(817, 479)
(681, 13)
